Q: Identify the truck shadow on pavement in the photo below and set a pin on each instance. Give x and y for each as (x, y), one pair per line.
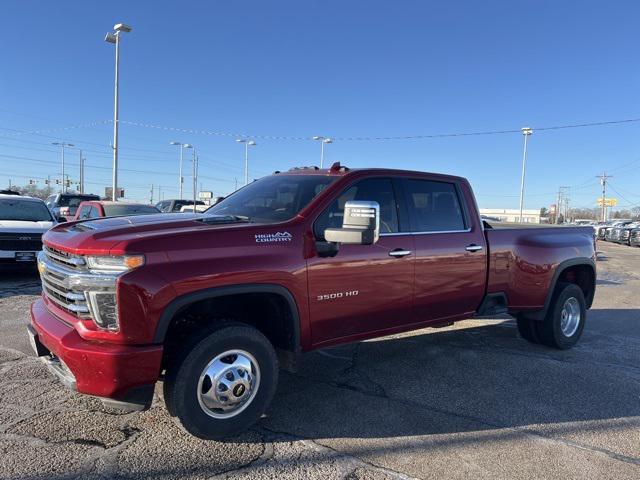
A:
(462, 380)
(410, 402)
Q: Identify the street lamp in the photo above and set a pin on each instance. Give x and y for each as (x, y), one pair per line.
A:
(82, 159)
(526, 131)
(180, 178)
(62, 145)
(247, 144)
(114, 37)
(195, 174)
(323, 141)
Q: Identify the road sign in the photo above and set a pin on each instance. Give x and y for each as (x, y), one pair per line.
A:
(205, 195)
(108, 190)
(608, 202)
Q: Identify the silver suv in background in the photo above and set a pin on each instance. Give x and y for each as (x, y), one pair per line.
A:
(66, 204)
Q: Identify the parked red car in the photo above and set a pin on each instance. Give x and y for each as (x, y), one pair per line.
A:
(99, 208)
(292, 262)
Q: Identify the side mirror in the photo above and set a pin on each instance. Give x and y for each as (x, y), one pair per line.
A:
(61, 219)
(360, 224)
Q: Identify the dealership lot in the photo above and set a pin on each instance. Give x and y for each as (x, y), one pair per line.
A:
(469, 401)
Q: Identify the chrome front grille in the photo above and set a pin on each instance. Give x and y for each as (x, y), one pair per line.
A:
(55, 286)
(65, 259)
(21, 242)
(71, 286)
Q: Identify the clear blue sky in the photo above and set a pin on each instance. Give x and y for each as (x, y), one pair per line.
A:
(334, 68)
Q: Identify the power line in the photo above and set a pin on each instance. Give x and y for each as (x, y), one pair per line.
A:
(630, 203)
(56, 129)
(401, 137)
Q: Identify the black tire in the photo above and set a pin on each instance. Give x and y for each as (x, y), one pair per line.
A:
(181, 384)
(550, 330)
(527, 328)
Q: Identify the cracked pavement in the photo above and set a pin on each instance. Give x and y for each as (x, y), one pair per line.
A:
(469, 401)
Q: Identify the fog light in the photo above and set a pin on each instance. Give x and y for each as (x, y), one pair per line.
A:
(104, 309)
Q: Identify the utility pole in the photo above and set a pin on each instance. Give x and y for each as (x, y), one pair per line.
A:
(603, 182)
(565, 201)
(151, 198)
(562, 200)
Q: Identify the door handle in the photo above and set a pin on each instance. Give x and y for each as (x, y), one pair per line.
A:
(473, 247)
(399, 252)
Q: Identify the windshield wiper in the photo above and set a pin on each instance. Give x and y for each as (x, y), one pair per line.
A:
(224, 219)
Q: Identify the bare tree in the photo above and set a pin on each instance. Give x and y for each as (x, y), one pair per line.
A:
(34, 191)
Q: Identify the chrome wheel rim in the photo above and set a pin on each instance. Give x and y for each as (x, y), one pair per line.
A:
(228, 384)
(570, 317)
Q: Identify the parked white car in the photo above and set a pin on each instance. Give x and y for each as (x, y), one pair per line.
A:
(23, 220)
(189, 208)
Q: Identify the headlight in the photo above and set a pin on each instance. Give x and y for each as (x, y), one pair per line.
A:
(104, 309)
(111, 264)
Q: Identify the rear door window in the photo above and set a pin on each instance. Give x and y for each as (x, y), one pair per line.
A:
(94, 212)
(434, 206)
(84, 212)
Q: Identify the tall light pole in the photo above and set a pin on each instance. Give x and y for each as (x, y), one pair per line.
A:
(62, 145)
(82, 159)
(247, 143)
(195, 178)
(180, 177)
(526, 131)
(114, 37)
(323, 141)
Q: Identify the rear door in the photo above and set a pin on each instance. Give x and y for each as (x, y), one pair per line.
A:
(450, 249)
(364, 288)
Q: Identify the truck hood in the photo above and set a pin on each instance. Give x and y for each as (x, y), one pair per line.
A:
(101, 235)
(22, 226)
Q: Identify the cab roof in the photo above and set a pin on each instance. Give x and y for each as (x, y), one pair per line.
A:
(340, 170)
(20, 197)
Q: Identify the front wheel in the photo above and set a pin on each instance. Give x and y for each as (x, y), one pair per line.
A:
(224, 384)
(563, 325)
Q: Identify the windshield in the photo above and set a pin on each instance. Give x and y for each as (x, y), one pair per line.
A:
(16, 209)
(272, 199)
(121, 209)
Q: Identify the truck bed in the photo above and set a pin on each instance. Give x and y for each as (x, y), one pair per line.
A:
(524, 261)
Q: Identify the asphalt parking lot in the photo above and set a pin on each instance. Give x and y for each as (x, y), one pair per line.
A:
(469, 401)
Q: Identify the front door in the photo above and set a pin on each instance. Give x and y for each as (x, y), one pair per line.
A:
(363, 288)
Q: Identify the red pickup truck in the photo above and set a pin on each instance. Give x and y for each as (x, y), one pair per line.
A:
(212, 303)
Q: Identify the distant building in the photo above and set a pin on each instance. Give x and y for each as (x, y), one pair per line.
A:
(512, 214)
